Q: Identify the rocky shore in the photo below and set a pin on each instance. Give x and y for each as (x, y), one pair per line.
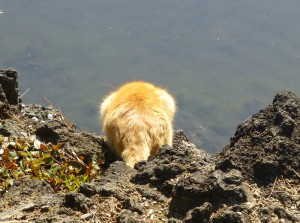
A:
(256, 178)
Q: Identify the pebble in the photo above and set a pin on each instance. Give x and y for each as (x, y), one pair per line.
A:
(45, 208)
(87, 216)
(50, 116)
(35, 119)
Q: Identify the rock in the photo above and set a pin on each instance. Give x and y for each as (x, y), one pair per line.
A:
(9, 86)
(113, 183)
(200, 187)
(150, 193)
(127, 216)
(267, 145)
(265, 214)
(229, 217)
(199, 214)
(283, 214)
(161, 170)
(16, 211)
(87, 216)
(9, 92)
(133, 205)
(174, 220)
(77, 201)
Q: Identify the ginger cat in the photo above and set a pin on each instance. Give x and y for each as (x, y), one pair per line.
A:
(137, 120)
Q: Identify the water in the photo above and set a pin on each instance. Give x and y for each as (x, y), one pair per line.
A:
(222, 60)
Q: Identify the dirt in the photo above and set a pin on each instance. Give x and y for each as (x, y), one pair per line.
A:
(256, 178)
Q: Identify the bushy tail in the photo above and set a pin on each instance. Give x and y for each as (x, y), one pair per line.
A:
(135, 153)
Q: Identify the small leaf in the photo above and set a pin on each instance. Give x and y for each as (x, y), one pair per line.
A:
(6, 154)
(13, 155)
(10, 181)
(3, 171)
(22, 153)
(43, 147)
(57, 146)
(11, 166)
(35, 154)
(21, 141)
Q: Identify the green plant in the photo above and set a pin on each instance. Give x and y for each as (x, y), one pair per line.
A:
(58, 164)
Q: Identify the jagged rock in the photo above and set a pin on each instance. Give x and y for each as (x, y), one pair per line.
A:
(114, 182)
(127, 216)
(170, 162)
(283, 214)
(229, 217)
(77, 201)
(9, 86)
(9, 92)
(268, 144)
(133, 205)
(213, 187)
(199, 214)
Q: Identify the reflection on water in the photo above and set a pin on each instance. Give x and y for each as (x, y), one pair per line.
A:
(222, 60)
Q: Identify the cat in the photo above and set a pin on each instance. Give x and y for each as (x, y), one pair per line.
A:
(137, 120)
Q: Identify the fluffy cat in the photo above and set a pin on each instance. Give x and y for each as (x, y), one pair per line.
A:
(137, 120)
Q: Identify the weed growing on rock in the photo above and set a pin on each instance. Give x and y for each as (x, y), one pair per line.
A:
(58, 164)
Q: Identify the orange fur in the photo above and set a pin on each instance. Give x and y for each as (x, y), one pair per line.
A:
(137, 119)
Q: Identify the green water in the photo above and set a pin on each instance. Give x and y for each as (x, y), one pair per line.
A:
(222, 60)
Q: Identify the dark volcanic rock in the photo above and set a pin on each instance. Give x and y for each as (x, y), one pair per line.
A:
(114, 182)
(170, 162)
(199, 214)
(26, 196)
(9, 92)
(214, 187)
(127, 216)
(267, 145)
(77, 201)
(9, 86)
(230, 217)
